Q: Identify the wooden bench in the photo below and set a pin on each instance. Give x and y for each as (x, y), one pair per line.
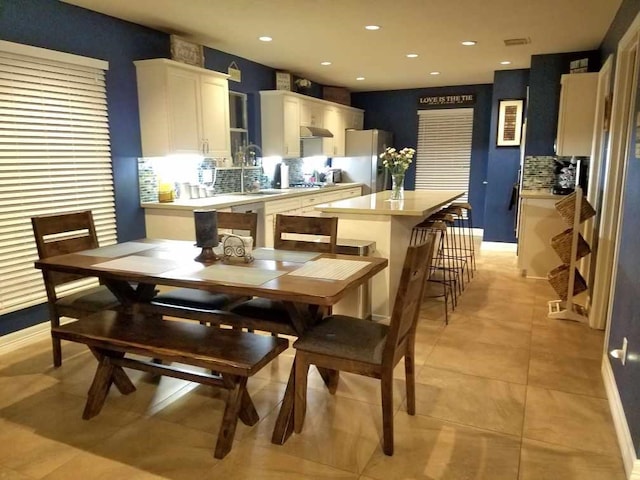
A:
(234, 354)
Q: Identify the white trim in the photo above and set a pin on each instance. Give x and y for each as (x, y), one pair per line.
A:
(55, 55)
(499, 246)
(627, 450)
(24, 337)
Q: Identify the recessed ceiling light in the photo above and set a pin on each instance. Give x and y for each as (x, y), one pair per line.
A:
(372, 27)
(412, 55)
(505, 62)
(434, 73)
(325, 63)
(265, 39)
(359, 78)
(469, 43)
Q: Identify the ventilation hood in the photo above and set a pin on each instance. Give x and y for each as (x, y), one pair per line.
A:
(314, 132)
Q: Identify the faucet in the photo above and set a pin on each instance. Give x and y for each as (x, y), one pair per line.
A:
(250, 153)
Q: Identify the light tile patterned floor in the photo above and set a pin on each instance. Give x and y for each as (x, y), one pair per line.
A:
(502, 393)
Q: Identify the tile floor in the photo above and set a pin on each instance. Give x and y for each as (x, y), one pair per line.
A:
(502, 393)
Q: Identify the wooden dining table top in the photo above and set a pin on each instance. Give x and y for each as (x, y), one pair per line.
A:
(172, 263)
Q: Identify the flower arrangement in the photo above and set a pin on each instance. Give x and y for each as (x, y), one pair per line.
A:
(397, 161)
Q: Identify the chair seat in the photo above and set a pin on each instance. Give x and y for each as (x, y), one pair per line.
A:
(193, 299)
(345, 337)
(91, 300)
(264, 309)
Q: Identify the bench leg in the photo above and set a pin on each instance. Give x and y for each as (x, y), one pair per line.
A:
(248, 413)
(230, 418)
(120, 378)
(99, 388)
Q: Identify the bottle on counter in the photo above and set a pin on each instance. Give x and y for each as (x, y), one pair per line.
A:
(165, 192)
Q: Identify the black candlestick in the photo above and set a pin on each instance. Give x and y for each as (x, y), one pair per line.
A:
(206, 224)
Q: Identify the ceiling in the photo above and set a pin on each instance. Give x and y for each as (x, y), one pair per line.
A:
(307, 32)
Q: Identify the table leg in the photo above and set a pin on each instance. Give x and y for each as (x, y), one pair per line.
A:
(284, 424)
(118, 376)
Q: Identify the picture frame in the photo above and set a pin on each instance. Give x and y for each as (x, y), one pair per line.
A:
(283, 81)
(510, 114)
(187, 52)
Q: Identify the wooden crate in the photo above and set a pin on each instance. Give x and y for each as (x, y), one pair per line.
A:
(337, 94)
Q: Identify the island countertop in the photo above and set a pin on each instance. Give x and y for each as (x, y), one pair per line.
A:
(415, 203)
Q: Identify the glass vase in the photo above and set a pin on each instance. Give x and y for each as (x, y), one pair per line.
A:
(397, 186)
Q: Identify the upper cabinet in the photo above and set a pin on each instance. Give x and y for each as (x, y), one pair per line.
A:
(576, 115)
(283, 113)
(183, 109)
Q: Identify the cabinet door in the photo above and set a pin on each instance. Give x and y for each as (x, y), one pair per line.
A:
(291, 127)
(355, 120)
(331, 123)
(311, 114)
(215, 116)
(183, 100)
(576, 116)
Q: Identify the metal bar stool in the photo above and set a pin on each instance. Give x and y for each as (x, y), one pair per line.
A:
(462, 238)
(453, 246)
(441, 263)
(470, 248)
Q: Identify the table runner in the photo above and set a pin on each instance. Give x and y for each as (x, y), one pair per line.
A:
(329, 268)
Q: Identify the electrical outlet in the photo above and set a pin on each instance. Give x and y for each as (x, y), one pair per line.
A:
(625, 343)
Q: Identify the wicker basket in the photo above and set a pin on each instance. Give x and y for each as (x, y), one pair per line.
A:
(567, 207)
(559, 280)
(561, 243)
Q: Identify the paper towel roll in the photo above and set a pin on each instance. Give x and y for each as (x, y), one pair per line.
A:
(284, 173)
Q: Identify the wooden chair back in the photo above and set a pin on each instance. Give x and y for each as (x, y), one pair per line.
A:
(326, 227)
(60, 234)
(409, 297)
(247, 222)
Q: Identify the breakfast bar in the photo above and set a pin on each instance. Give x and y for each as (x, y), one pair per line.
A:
(389, 223)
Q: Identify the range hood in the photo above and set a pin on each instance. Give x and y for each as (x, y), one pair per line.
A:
(314, 132)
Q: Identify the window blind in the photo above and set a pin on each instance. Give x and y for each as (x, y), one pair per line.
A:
(443, 157)
(54, 158)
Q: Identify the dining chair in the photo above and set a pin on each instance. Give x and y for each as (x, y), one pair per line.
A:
(57, 235)
(196, 304)
(369, 348)
(310, 234)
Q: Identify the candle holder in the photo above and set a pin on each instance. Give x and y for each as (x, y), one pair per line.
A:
(206, 224)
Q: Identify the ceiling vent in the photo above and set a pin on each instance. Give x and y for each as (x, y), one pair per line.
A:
(511, 42)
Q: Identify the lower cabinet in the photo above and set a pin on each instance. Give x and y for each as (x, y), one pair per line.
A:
(539, 222)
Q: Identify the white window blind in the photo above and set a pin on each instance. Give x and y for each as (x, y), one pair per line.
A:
(443, 157)
(54, 158)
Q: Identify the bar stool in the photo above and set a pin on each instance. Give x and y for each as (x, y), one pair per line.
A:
(441, 263)
(470, 248)
(461, 236)
(453, 246)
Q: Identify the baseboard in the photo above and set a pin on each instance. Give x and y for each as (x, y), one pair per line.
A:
(627, 449)
(499, 246)
(24, 337)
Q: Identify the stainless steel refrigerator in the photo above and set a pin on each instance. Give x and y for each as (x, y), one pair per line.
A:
(361, 162)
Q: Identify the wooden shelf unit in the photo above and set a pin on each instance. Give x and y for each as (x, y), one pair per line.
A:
(566, 279)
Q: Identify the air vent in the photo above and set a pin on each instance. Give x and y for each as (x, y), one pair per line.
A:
(510, 42)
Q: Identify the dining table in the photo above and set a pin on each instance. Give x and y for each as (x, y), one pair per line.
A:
(307, 283)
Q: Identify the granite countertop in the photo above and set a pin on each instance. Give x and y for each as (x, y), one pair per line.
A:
(415, 203)
(233, 199)
(544, 193)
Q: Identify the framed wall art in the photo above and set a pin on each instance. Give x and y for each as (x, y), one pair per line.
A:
(510, 123)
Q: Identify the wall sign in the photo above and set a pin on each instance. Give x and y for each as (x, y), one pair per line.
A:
(438, 101)
(234, 72)
(283, 81)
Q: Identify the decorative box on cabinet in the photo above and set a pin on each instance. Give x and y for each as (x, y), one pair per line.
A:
(183, 109)
(576, 115)
(566, 279)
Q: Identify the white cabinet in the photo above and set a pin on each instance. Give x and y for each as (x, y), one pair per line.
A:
(576, 115)
(183, 109)
(311, 113)
(282, 114)
(280, 119)
(539, 222)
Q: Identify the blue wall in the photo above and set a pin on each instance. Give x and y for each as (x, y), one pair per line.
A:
(396, 111)
(625, 318)
(504, 162)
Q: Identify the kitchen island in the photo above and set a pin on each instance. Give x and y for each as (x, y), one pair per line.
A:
(389, 224)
